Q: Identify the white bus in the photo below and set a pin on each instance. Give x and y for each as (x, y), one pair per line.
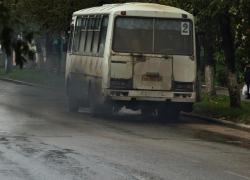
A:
(135, 55)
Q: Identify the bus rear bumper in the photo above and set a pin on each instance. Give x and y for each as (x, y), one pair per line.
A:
(144, 95)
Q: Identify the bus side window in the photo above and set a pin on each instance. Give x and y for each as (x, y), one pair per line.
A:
(83, 35)
(90, 27)
(97, 28)
(103, 35)
(70, 38)
(77, 34)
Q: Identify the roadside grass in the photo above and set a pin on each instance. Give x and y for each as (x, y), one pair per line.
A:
(36, 77)
(219, 107)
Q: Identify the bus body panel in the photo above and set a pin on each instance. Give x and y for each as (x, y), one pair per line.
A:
(106, 56)
(83, 70)
(184, 69)
(153, 74)
(69, 55)
(149, 73)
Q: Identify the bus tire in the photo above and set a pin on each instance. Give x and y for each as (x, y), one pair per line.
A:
(107, 111)
(187, 107)
(92, 103)
(146, 111)
(162, 115)
(168, 114)
(173, 113)
(73, 103)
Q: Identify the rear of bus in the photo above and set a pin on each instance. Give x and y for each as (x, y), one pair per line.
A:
(152, 61)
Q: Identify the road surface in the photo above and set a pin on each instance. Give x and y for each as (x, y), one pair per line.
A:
(40, 139)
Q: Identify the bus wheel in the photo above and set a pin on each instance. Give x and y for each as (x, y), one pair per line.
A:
(107, 111)
(168, 114)
(73, 104)
(173, 113)
(145, 111)
(92, 103)
(162, 115)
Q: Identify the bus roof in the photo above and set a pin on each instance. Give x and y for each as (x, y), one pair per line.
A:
(109, 8)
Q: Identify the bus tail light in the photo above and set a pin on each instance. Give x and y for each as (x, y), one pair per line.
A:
(189, 87)
(178, 95)
(118, 93)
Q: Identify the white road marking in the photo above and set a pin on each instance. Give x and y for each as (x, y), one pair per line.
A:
(237, 175)
(192, 160)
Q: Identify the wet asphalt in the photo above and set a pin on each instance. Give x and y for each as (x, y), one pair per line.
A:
(40, 139)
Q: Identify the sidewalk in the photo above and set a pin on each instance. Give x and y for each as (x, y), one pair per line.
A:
(224, 91)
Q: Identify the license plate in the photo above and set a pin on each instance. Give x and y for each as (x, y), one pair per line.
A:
(152, 78)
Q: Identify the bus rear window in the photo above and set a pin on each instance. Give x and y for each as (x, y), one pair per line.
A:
(148, 35)
(133, 35)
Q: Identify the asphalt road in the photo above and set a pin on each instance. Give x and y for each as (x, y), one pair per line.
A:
(40, 139)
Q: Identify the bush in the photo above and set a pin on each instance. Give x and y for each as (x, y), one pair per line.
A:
(218, 106)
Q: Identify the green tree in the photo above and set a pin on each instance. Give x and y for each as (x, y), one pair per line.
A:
(49, 17)
(9, 37)
(224, 15)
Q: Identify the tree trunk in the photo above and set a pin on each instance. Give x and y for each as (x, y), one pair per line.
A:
(64, 55)
(209, 67)
(248, 28)
(198, 77)
(9, 63)
(227, 43)
(40, 60)
(49, 57)
(3, 58)
(59, 59)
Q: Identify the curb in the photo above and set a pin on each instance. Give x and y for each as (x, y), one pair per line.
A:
(29, 84)
(232, 124)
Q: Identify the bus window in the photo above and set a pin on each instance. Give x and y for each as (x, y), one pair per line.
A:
(169, 38)
(133, 35)
(77, 34)
(90, 27)
(97, 28)
(70, 38)
(83, 35)
(103, 35)
(166, 36)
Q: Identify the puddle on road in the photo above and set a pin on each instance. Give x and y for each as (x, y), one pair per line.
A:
(224, 139)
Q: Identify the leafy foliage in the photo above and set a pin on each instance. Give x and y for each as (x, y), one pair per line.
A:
(220, 69)
(9, 37)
